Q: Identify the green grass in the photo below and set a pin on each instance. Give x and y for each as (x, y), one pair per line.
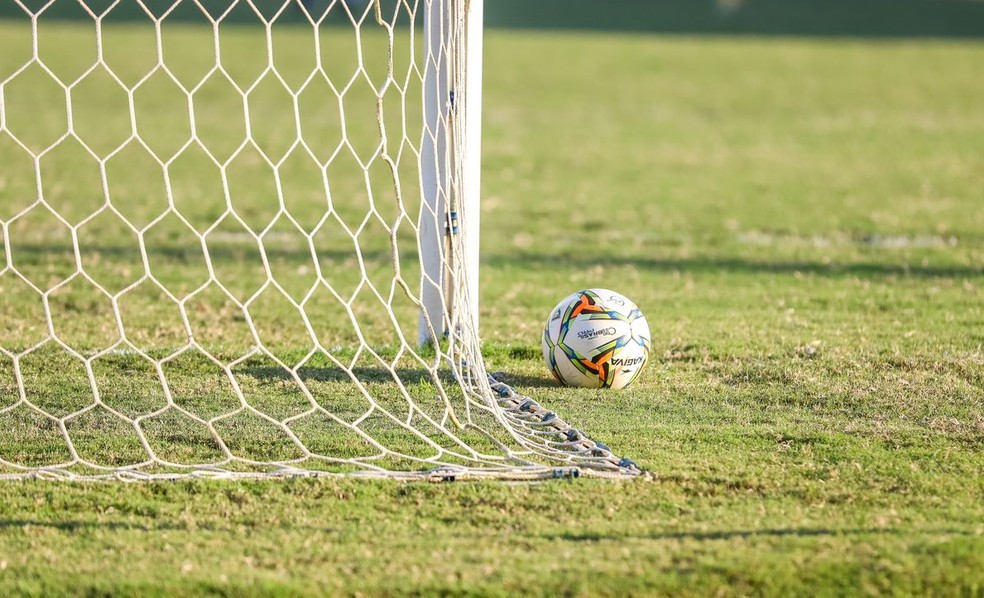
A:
(801, 223)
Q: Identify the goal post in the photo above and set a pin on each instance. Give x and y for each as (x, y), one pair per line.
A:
(241, 239)
(441, 97)
(472, 151)
(435, 173)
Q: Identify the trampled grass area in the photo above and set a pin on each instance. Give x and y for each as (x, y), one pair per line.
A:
(802, 223)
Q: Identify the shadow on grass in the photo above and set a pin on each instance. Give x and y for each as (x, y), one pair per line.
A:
(226, 253)
(521, 381)
(332, 373)
(742, 534)
(76, 525)
(705, 265)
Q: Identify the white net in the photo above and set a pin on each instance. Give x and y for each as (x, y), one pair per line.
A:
(214, 219)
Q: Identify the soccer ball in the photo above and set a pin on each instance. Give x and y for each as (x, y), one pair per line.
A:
(596, 338)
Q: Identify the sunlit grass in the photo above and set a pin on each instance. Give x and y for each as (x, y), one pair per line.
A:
(800, 221)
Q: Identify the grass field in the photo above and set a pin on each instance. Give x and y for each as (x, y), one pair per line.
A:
(801, 222)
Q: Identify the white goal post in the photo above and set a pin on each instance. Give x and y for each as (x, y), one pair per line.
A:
(241, 239)
(440, 98)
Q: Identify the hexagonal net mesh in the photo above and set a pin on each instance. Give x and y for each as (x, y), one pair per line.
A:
(213, 216)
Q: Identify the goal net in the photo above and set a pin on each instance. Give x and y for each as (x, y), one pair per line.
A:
(240, 240)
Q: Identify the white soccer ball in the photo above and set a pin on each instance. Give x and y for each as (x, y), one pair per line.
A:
(596, 338)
